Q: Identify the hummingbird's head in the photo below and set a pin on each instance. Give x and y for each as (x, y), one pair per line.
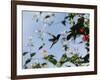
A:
(59, 35)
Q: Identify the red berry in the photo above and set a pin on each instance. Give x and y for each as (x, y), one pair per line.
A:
(82, 30)
(85, 37)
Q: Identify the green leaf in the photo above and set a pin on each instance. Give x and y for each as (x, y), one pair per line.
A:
(51, 59)
(80, 42)
(27, 61)
(66, 17)
(37, 65)
(65, 47)
(49, 56)
(64, 22)
(81, 21)
(74, 58)
(32, 54)
(63, 58)
(87, 44)
(78, 62)
(43, 64)
(71, 15)
(86, 30)
(74, 36)
(24, 53)
(58, 64)
(48, 16)
(87, 48)
(69, 36)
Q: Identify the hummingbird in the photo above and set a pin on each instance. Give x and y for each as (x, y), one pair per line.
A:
(54, 39)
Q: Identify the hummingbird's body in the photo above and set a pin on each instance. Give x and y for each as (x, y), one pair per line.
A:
(54, 39)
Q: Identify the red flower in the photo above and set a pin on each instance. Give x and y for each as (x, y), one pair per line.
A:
(85, 37)
(81, 30)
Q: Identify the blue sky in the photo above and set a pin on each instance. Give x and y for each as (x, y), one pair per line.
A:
(31, 36)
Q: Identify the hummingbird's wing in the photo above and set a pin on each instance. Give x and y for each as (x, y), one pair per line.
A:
(51, 40)
(51, 35)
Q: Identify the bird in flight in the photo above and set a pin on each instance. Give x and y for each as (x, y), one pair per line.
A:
(54, 39)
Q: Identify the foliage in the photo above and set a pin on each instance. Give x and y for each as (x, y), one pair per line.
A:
(51, 59)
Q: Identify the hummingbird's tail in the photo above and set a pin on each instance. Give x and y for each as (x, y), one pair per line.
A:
(51, 46)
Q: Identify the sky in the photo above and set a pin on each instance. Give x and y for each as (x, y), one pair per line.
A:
(32, 41)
